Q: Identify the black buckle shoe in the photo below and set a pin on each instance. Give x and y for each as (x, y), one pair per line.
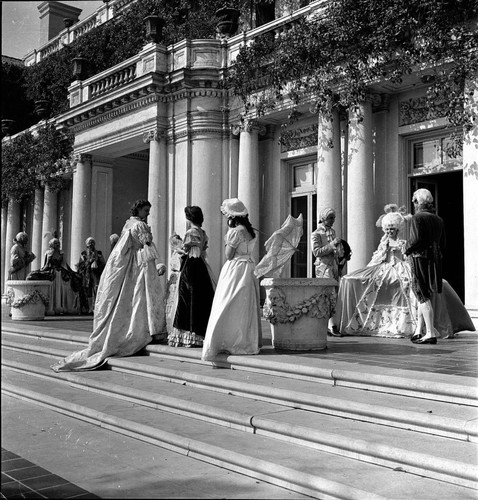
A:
(334, 332)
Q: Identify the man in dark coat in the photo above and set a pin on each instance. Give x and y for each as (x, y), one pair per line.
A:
(427, 239)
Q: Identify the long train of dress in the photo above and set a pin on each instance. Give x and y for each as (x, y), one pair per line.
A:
(129, 306)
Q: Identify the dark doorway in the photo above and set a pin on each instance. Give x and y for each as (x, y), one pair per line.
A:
(447, 191)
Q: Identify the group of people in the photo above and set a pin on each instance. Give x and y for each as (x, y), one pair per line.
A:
(401, 292)
(73, 292)
(398, 294)
(131, 308)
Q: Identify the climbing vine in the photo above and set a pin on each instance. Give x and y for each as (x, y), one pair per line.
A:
(330, 61)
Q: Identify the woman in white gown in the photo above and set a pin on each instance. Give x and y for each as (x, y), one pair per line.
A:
(129, 307)
(234, 325)
(377, 300)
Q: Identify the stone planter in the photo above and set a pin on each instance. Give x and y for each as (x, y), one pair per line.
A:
(28, 300)
(227, 21)
(298, 310)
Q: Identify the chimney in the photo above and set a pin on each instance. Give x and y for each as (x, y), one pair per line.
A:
(52, 15)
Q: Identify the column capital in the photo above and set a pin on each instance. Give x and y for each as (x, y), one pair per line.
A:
(247, 126)
(153, 135)
(82, 157)
(380, 101)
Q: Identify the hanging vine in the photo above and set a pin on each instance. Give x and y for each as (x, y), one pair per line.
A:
(330, 61)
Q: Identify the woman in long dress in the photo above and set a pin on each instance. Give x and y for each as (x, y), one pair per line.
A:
(195, 288)
(377, 300)
(129, 308)
(66, 296)
(234, 324)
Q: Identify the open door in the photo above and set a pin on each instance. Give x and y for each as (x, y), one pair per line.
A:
(447, 191)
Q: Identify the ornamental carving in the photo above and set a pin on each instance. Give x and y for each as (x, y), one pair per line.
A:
(33, 298)
(299, 138)
(153, 135)
(247, 126)
(82, 158)
(416, 110)
(320, 305)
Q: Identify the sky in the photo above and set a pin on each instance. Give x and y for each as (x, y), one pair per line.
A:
(21, 24)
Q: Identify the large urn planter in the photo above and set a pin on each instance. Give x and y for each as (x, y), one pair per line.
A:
(298, 310)
(28, 300)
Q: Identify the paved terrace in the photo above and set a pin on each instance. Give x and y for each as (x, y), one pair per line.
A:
(459, 356)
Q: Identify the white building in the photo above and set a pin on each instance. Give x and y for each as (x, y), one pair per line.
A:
(159, 126)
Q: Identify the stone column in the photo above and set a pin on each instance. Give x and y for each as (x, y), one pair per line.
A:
(248, 186)
(37, 229)
(207, 187)
(329, 180)
(470, 195)
(360, 194)
(50, 218)
(4, 242)
(13, 227)
(158, 190)
(80, 205)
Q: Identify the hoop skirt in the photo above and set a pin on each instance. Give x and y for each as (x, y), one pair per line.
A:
(378, 300)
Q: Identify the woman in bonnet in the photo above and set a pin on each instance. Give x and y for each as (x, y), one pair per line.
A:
(234, 324)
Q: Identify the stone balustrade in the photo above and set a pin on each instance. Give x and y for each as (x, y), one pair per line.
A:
(113, 81)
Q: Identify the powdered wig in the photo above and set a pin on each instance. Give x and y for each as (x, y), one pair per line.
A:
(394, 220)
(393, 212)
(325, 213)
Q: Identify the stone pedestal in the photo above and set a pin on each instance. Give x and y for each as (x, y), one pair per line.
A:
(298, 310)
(28, 300)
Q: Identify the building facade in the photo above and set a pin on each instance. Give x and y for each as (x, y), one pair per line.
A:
(160, 126)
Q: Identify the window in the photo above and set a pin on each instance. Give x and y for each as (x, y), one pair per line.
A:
(436, 154)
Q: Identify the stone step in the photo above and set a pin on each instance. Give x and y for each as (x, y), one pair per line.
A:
(446, 388)
(403, 412)
(381, 445)
(306, 470)
(116, 466)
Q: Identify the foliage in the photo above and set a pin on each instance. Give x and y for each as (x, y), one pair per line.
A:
(53, 151)
(18, 165)
(14, 105)
(28, 160)
(332, 59)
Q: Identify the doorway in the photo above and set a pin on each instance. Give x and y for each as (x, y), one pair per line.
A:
(303, 200)
(447, 191)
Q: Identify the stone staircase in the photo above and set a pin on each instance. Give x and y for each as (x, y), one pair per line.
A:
(329, 431)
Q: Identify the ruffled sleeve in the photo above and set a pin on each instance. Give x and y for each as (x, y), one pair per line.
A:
(193, 242)
(234, 237)
(142, 232)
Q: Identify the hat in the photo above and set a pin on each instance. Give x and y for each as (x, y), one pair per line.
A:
(233, 207)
